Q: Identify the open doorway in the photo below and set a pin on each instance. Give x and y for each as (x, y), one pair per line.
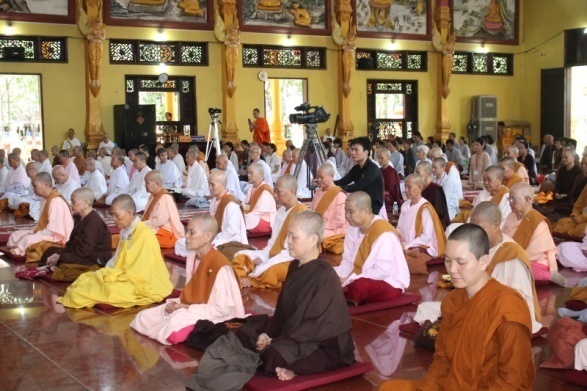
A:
(281, 96)
(578, 103)
(21, 113)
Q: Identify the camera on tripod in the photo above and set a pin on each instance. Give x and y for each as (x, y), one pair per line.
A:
(214, 111)
(316, 116)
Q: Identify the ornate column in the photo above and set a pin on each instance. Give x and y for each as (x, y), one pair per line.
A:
(276, 122)
(443, 41)
(226, 29)
(89, 22)
(344, 34)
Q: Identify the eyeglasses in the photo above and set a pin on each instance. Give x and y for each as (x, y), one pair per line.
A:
(513, 200)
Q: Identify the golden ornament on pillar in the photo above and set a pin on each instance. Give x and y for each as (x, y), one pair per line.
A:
(348, 60)
(95, 37)
(231, 43)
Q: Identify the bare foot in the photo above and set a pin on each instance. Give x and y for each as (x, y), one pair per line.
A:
(284, 374)
(245, 283)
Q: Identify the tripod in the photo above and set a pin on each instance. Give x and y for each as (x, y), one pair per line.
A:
(313, 145)
(213, 128)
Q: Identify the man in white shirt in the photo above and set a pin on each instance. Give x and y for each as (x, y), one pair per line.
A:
(71, 141)
(69, 166)
(169, 171)
(449, 185)
(106, 143)
(96, 181)
(273, 159)
(118, 182)
(232, 182)
(176, 158)
(64, 183)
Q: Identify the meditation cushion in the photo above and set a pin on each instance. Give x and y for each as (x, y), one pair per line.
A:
(576, 305)
(9, 255)
(412, 328)
(404, 299)
(106, 307)
(576, 377)
(174, 257)
(435, 261)
(180, 335)
(562, 338)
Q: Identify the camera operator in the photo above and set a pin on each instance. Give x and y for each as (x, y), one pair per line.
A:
(365, 174)
(260, 128)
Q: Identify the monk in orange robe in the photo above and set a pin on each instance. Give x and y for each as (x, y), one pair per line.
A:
(260, 128)
(510, 178)
(161, 214)
(484, 341)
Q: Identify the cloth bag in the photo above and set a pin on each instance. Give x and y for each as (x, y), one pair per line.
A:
(225, 366)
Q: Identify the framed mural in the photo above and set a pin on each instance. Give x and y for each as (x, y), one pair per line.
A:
(400, 19)
(285, 16)
(180, 14)
(43, 11)
(487, 21)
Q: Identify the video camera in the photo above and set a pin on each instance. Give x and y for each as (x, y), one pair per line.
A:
(213, 111)
(318, 115)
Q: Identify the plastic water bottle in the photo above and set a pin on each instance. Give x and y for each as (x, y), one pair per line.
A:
(395, 209)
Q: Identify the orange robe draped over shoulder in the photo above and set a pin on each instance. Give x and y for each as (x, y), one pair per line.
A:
(262, 134)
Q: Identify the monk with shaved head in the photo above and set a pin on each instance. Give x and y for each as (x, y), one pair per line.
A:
(373, 266)
(64, 183)
(267, 268)
(259, 204)
(135, 275)
(512, 152)
(89, 246)
(531, 230)
(211, 291)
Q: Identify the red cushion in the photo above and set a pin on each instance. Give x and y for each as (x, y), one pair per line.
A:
(266, 383)
(435, 261)
(258, 234)
(4, 239)
(576, 305)
(9, 255)
(180, 335)
(566, 237)
(404, 299)
(410, 328)
(113, 229)
(540, 332)
(174, 257)
(185, 222)
(576, 377)
(106, 307)
(542, 282)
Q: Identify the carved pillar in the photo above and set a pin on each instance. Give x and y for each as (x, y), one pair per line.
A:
(227, 30)
(444, 42)
(89, 21)
(344, 34)
(276, 125)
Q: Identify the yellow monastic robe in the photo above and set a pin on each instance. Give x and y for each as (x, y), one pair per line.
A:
(576, 227)
(139, 276)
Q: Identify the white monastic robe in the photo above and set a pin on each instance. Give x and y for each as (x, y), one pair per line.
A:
(263, 255)
(98, 166)
(303, 191)
(332, 162)
(225, 302)
(273, 160)
(512, 273)
(573, 254)
(451, 190)
(233, 224)
(265, 208)
(16, 181)
(3, 176)
(67, 188)
(117, 184)
(232, 182)
(386, 261)
(58, 229)
(179, 162)
(137, 190)
(97, 183)
(106, 162)
(46, 167)
(266, 172)
(406, 226)
(233, 159)
(196, 184)
(72, 171)
(107, 146)
(504, 205)
(69, 144)
(129, 166)
(171, 175)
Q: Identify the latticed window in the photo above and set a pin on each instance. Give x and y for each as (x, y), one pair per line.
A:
(483, 63)
(38, 49)
(149, 53)
(280, 57)
(394, 60)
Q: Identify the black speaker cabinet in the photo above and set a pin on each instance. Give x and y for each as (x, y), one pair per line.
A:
(365, 63)
(134, 125)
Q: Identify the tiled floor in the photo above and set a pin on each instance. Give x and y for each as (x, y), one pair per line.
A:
(45, 346)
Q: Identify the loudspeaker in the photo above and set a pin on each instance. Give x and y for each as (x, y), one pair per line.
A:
(365, 63)
(484, 107)
(135, 125)
(12, 53)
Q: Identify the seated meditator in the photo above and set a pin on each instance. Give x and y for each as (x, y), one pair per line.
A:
(259, 204)
(16, 183)
(232, 181)
(26, 203)
(576, 224)
(211, 291)
(136, 187)
(451, 169)
(267, 268)
(118, 182)
(64, 184)
(484, 340)
(450, 185)
(89, 246)
(433, 192)
(96, 181)
(136, 275)
(508, 264)
(310, 330)
(303, 191)
(519, 168)
(531, 230)
(169, 171)
(391, 181)
(573, 254)
(421, 230)
(69, 166)
(55, 222)
(373, 266)
(196, 187)
(510, 178)
(255, 156)
(329, 202)
(287, 167)
(161, 214)
(566, 175)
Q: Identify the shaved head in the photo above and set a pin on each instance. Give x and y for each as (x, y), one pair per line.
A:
(427, 167)
(360, 200)
(495, 171)
(84, 193)
(326, 169)
(486, 211)
(475, 237)
(154, 176)
(44, 177)
(218, 176)
(440, 161)
(416, 179)
(310, 222)
(205, 222)
(287, 182)
(522, 189)
(257, 168)
(509, 162)
(124, 202)
(436, 152)
(384, 151)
